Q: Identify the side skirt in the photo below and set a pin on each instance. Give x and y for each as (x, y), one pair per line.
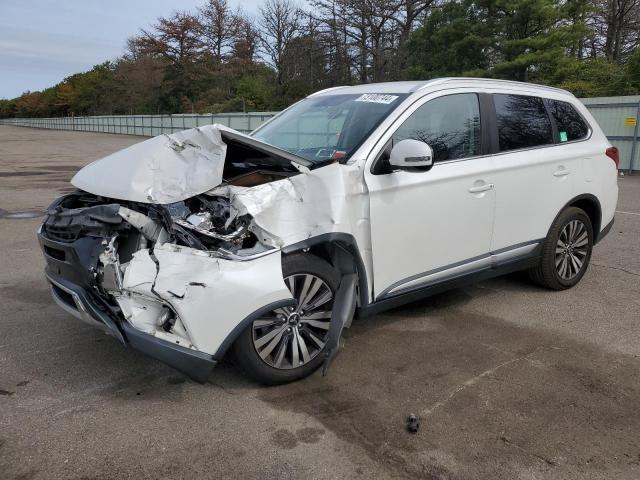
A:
(418, 294)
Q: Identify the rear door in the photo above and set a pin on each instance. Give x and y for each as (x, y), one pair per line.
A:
(534, 175)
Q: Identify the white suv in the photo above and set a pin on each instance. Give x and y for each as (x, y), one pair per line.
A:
(354, 199)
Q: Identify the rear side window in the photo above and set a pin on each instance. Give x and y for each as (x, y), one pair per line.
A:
(449, 124)
(522, 122)
(570, 124)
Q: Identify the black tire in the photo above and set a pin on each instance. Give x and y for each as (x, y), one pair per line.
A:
(547, 274)
(246, 354)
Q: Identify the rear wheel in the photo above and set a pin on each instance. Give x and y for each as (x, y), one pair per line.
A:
(287, 343)
(566, 251)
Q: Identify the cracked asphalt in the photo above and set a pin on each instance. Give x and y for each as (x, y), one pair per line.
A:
(509, 381)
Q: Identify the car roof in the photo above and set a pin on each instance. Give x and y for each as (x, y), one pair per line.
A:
(414, 86)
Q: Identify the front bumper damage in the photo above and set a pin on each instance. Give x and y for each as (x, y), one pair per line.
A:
(210, 299)
(82, 305)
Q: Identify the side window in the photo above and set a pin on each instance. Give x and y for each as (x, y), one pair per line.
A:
(570, 124)
(522, 122)
(449, 124)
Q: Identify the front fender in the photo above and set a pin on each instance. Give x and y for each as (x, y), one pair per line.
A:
(210, 295)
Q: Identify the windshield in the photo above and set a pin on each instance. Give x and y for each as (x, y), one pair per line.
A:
(328, 126)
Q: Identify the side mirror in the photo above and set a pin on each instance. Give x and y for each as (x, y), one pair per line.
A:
(411, 154)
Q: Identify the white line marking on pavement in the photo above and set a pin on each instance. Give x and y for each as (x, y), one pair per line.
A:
(628, 213)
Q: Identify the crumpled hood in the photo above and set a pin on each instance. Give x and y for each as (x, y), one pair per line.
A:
(161, 170)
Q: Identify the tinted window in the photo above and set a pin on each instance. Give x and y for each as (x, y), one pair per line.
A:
(522, 122)
(570, 124)
(450, 125)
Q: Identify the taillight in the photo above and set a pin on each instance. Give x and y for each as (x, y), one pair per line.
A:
(613, 154)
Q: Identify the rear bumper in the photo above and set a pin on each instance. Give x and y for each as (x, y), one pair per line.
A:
(83, 304)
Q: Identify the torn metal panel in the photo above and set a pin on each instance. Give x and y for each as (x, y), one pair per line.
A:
(163, 169)
(326, 200)
(298, 207)
(209, 295)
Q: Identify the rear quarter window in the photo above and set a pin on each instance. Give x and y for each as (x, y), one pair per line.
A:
(522, 122)
(571, 125)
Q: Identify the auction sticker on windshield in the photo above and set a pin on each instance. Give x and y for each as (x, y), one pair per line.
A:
(376, 98)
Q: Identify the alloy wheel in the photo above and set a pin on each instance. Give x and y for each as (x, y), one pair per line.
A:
(571, 249)
(291, 337)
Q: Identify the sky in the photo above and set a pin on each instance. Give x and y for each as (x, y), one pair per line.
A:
(44, 41)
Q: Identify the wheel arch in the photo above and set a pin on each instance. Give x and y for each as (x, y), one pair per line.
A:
(238, 329)
(589, 204)
(342, 252)
(339, 249)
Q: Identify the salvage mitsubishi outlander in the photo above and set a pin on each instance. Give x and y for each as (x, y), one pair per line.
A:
(356, 199)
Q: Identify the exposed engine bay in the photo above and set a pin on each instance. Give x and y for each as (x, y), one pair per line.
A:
(206, 222)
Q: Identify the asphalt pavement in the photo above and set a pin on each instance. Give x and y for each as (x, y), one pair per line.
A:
(509, 381)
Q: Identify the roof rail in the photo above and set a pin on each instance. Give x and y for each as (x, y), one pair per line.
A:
(493, 80)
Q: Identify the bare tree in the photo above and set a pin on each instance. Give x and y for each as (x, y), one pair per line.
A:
(369, 30)
(332, 32)
(409, 14)
(380, 18)
(279, 24)
(304, 63)
(176, 38)
(622, 20)
(246, 41)
(616, 27)
(219, 27)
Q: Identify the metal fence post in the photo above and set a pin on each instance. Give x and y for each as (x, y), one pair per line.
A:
(635, 140)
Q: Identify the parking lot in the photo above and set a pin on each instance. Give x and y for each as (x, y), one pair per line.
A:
(510, 381)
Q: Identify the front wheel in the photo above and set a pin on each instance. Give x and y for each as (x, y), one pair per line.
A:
(287, 343)
(566, 251)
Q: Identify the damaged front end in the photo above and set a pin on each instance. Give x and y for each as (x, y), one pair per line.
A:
(159, 263)
(175, 247)
(151, 275)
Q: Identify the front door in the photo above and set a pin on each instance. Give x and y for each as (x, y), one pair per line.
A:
(430, 226)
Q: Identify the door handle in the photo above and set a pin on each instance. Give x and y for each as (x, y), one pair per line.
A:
(561, 172)
(481, 188)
